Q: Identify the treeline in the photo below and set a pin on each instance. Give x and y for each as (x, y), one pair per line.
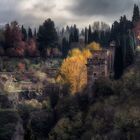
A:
(47, 41)
(98, 32)
(68, 35)
(122, 33)
(17, 41)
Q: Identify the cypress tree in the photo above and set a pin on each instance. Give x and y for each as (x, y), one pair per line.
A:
(24, 33)
(130, 50)
(30, 34)
(35, 34)
(76, 34)
(86, 35)
(118, 62)
(136, 14)
(89, 34)
(65, 47)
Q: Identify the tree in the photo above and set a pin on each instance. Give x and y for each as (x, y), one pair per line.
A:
(41, 123)
(136, 14)
(95, 36)
(76, 34)
(24, 33)
(94, 46)
(14, 44)
(86, 35)
(67, 129)
(73, 70)
(118, 62)
(35, 33)
(47, 35)
(114, 31)
(89, 34)
(65, 47)
(71, 36)
(129, 57)
(30, 34)
(12, 34)
(96, 26)
(121, 33)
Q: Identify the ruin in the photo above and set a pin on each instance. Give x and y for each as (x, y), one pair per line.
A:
(100, 65)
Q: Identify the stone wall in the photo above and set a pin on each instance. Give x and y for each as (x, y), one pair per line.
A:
(100, 65)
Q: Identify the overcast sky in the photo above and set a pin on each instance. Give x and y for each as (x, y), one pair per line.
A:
(63, 12)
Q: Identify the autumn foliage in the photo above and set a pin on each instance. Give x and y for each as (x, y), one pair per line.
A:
(74, 71)
(15, 45)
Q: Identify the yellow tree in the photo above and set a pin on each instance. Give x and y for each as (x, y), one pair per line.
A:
(73, 70)
(94, 46)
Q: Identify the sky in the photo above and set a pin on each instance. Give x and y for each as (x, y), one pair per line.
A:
(64, 12)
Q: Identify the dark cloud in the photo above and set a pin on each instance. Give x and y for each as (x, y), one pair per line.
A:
(80, 12)
(101, 7)
(43, 7)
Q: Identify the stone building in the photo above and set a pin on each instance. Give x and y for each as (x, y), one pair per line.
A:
(100, 65)
(97, 66)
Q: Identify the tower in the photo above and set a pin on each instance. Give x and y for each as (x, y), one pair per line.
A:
(97, 66)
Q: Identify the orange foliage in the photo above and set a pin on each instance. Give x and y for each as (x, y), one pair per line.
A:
(94, 46)
(73, 70)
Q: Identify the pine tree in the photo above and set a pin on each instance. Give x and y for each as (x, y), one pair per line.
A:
(129, 58)
(136, 14)
(47, 36)
(76, 34)
(118, 62)
(86, 35)
(89, 34)
(24, 33)
(35, 34)
(95, 36)
(30, 34)
(65, 47)
(124, 54)
(71, 38)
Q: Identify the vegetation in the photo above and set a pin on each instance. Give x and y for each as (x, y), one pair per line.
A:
(43, 82)
(73, 71)
(8, 121)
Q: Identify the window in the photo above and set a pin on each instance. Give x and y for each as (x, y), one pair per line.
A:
(95, 74)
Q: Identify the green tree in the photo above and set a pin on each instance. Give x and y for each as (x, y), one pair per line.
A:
(30, 34)
(76, 34)
(47, 34)
(89, 34)
(86, 35)
(35, 33)
(65, 47)
(24, 33)
(136, 14)
(118, 62)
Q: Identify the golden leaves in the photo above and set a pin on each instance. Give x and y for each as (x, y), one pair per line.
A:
(73, 70)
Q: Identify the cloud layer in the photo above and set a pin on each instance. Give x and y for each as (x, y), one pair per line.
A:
(81, 12)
